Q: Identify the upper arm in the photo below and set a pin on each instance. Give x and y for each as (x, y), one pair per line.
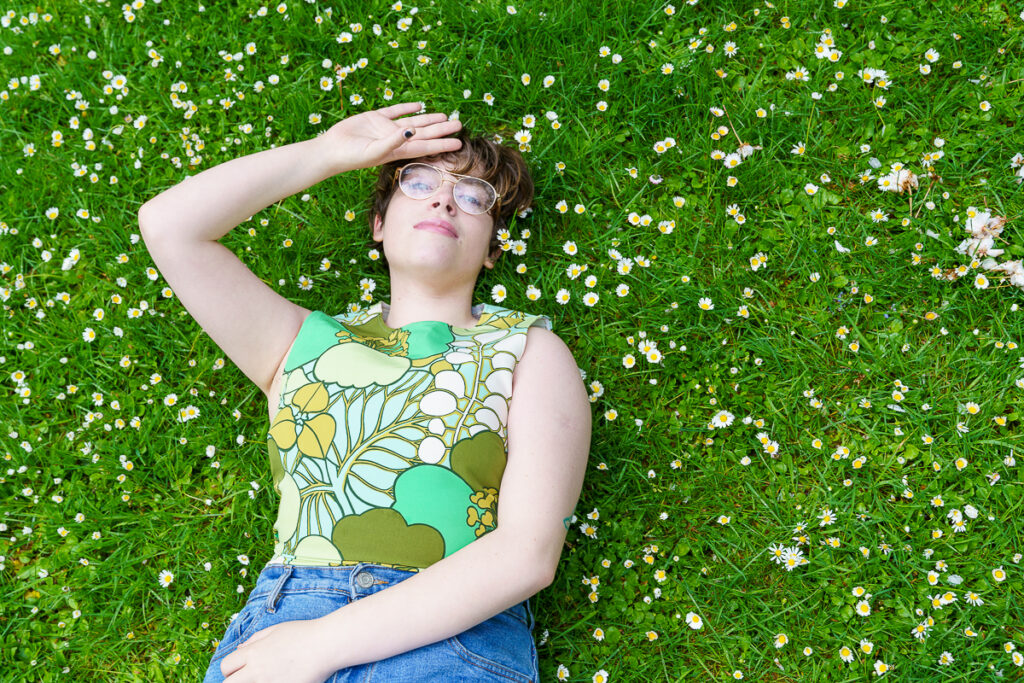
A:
(548, 445)
(254, 325)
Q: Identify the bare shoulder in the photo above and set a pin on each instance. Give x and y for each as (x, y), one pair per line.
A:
(545, 349)
(548, 365)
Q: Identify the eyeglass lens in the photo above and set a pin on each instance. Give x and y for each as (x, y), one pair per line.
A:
(420, 181)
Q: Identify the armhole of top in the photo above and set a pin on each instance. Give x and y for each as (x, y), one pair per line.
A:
(541, 321)
(298, 335)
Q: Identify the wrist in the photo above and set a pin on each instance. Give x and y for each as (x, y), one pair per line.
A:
(326, 153)
(319, 646)
(320, 154)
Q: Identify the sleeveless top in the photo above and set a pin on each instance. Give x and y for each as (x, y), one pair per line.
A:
(390, 444)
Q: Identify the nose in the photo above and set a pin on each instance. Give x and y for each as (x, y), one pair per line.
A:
(445, 197)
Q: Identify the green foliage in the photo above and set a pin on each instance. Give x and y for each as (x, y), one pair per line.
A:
(849, 374)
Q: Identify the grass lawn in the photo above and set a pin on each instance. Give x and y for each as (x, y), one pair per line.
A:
(782, 241)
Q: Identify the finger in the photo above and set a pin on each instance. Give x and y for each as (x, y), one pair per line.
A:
(421, 120)
(398, 138)
(401, 109)
(426, 148)
(438, 130)
(229, 667)
(259, 635)
(412, 138)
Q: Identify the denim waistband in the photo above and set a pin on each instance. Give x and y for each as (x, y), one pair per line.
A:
(354, 581)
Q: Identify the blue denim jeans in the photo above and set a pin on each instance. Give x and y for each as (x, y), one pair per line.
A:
(499, 649)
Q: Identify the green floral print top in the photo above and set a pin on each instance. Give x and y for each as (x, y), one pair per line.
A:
(390, 444)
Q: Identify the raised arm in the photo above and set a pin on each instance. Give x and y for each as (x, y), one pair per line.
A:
(208, 205)
(548, 445)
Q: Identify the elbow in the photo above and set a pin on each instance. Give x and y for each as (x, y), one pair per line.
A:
(149, 221)
(545, 566)
(543, 577)
(546, 580)
(150, 212)
(142, 215)
(535, 570)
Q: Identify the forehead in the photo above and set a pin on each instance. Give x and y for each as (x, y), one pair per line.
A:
(456, 162)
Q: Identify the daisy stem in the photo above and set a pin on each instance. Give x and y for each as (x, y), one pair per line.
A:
(810, 117)
(926, 193)
(732, 126)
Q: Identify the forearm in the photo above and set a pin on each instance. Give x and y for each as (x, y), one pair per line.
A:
(461, 591)
(208, 205)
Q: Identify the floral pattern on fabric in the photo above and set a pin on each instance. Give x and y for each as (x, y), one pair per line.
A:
(389, 444)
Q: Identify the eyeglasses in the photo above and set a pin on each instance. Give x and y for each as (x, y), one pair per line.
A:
(473, 195)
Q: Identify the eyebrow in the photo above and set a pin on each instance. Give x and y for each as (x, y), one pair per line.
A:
(463, 162)
(457, 174)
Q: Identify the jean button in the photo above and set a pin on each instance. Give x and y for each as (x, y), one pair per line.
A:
(364, 579)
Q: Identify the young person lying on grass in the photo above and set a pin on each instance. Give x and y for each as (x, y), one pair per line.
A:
(400, 434)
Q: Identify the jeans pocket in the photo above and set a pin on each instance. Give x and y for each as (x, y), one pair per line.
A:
(249, 626)
(502, 646)
(241, 628)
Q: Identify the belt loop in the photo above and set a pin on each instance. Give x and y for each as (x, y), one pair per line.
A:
(275, 592)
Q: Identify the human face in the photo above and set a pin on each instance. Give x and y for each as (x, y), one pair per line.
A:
(435, 233)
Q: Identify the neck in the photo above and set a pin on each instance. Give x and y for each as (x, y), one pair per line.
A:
(415, 302)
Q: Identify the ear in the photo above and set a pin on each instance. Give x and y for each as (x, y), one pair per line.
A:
(492, 258)
(378, 229)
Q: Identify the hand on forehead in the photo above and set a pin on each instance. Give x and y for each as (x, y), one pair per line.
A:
(454, 163)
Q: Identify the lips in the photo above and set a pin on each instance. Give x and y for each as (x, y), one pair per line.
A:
(437, 225)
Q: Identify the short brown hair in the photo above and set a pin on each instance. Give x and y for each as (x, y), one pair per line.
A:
(503, 167)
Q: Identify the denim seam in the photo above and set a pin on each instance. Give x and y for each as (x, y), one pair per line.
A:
(523, 619)
(515, 615)
(242, 635)
(369, 672)
(221, 653)
(486, 664)
(316, 589)
(300, 588)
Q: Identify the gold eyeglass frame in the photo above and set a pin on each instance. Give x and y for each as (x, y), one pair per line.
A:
(459, 176)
